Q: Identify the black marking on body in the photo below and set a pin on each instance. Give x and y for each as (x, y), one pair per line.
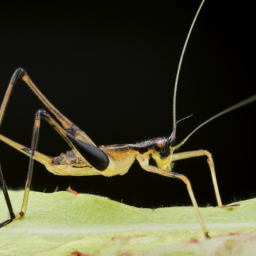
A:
(163, 147)
(97, 158)
(160, 144)
(144, 146)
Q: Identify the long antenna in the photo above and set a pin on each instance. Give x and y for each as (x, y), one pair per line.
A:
(180, 62)
(238, 105)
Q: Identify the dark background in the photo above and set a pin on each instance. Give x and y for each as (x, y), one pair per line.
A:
(110, 68)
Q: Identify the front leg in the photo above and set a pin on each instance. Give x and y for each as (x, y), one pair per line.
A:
(144, 163)
(190, 154)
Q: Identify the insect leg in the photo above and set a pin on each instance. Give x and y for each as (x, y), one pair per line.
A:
(196, 153)
(93, 154)
(22, 74)
(41, 158)
(31, 164)
(31, 152)
(60, 130)
(7, 200)
(66, 123)
(144, 163)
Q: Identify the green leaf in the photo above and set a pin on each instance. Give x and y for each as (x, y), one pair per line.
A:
(62, 223)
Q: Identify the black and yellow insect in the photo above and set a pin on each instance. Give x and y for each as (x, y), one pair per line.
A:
(85, 158)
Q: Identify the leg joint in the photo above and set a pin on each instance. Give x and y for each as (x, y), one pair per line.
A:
(41, 112)
(18, 74)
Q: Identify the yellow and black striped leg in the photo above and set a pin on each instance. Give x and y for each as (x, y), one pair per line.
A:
(40, 113)
(60, 130)
(70, 132)
(20, 73)
(7, 200)
(31, 164)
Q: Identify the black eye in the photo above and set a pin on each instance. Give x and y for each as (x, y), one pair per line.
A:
(164, 152)
(163, 148)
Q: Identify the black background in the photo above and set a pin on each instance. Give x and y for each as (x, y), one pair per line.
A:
(110, 68)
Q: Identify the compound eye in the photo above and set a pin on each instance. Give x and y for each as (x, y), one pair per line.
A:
(163, 148)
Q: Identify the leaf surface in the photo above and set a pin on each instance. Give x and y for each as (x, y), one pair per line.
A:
(62, 223)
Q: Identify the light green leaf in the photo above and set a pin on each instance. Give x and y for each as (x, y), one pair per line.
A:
(62, 223)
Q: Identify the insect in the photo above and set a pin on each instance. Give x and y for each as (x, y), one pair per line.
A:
(87, 159)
